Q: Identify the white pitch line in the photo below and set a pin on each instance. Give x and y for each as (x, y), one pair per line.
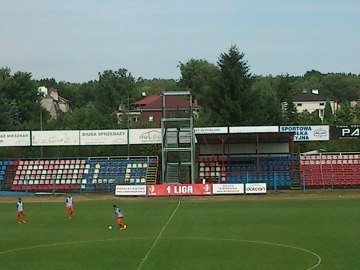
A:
(158, 237)
(259, 242)
(171, 238)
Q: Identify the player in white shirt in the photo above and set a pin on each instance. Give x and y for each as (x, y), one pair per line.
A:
(118, 213)
(69, 207)
(20, 211)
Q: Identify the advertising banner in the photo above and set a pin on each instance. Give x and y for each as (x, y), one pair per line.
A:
(15, 138)
(103, 137)
(255, 188)
(55, 137)
(350, 132)
(179, 189)
(210, 130)
(145, 136)
(228, 189)
(308, 133)
(258, 129)
(130, 190)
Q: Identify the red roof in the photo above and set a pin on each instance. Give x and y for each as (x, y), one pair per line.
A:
(155, 102)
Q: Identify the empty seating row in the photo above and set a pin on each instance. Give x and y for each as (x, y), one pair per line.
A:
(51, 161)
(242, 168)
(330, 161)
(280, 179)
(338, 170)
(60, 174)
(330, 157)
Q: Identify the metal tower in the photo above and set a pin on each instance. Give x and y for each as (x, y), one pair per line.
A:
(178, 140)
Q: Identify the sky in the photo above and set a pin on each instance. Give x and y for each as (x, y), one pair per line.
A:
(75, 40)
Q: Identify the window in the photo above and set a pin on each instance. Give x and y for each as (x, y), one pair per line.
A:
(151, 119)
(322, 104)
(299, 104)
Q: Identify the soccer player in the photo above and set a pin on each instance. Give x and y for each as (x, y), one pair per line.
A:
(20, 211)
(118, 213)
(69, 207)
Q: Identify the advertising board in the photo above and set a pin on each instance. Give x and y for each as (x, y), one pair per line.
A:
(103, 137)
(145, 136)
(255, 129)
(228, 189)
(130, 190)
(255, 188)
(15, 138)
(308, 133)
(179, 189)
(55, 137)
(350, 132)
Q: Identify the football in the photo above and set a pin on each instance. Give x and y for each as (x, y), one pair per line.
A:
(110, 227)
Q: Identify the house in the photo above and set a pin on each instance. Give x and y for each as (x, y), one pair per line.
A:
(52, 102)
(148, 110)
(311, 101)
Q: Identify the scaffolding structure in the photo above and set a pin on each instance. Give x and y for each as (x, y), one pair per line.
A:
(178, 140)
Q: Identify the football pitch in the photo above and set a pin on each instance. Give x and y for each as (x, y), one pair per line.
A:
(275, 232)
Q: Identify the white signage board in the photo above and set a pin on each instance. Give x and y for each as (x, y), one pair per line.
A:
(55, 137)
(255, 188)
(130, 190)
(145, 136)
(15, 138)
(308, 133)
(228, 189)
(103, 137)
(211, 130)
(258, 129)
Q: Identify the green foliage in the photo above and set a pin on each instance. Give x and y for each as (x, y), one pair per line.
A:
(154, 86)
(229, 95)
(328, 113)
(343, 116)
(266, 110)
(307, 118)
(355, 111)
(282, 85)
(18, 98)
(196, 75)
(114, 87)
(291, 115)
(85, 118)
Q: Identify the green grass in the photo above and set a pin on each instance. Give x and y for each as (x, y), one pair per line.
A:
(199, 234)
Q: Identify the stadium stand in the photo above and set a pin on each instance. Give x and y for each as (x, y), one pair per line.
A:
(330, 170)
(272, 170)
(76, 174)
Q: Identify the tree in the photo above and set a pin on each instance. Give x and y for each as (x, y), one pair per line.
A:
(154, 86)
(328, 113)
(355, 111)
(338, 87)
(343, 115)
(267, 109)
(228, 99)
(20, 98)
(114, 87)
(196, 76)
(291, 115)
(283, 87)
(88, 117)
